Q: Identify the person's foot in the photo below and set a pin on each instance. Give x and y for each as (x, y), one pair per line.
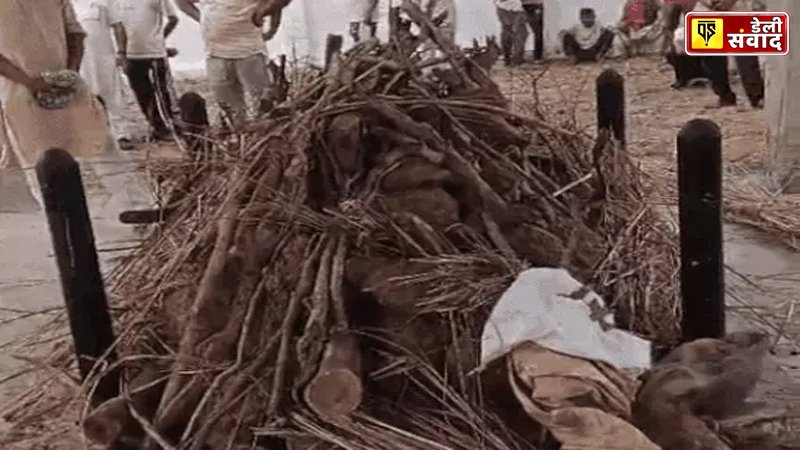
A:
(697, 83)
(758, 104)
(722, 103)
(125, 144)
(161, 135)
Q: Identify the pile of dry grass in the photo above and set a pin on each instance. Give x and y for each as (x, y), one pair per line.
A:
(342, 256)
(749, 202)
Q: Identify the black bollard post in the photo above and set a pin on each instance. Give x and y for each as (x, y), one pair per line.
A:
(610, 90)
(76, 257)
(333, 45)
(700, 194)
(194, 115)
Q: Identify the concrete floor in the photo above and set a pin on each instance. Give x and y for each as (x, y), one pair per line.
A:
(28, 274)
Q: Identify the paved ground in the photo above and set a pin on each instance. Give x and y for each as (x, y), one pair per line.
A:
(30, 292)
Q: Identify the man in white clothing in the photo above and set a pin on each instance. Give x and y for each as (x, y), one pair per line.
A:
(235, 61)
(40, 38)
(148, 24)
(366, 19)
(100, 65)
(588, 40)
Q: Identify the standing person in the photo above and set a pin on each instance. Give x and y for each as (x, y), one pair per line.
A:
(534, 12)
(717, 66)
(99, 18)
(235, 53)
(41, 43)
(148, 24)
(513, 30)
(365, 19)
(588, 40)
(687, 68)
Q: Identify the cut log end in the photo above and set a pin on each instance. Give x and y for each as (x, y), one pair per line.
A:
(336, 390)
(334, 393)
(106, 423)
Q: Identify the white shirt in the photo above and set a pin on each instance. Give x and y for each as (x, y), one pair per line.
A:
(144, 22)
(96, 18)
(586, 37)
(228, 29)
(509, 5)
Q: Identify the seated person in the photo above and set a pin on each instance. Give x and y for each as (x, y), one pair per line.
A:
(587, 41)
(640, 31)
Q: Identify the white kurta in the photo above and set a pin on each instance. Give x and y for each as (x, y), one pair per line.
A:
(99, 68)
(32, 36)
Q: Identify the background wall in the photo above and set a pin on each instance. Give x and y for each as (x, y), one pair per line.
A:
(307, 22)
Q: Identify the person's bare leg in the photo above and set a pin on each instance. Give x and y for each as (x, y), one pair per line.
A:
(253, 78)
(227, 91)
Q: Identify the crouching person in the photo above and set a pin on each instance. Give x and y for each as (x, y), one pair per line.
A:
(587, 41)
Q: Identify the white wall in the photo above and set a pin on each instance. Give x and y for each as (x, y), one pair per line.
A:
(305, 27)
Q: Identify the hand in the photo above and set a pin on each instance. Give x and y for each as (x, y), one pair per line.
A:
(172, 52)
(268, 35)
(266, 8)
(122, 61)
(37, 84)
(257, 19)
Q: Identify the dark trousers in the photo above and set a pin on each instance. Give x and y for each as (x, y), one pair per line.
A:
(752, 80)
(600, 48)
(717, 69)
(535, 16)
(686, 68)
(513, 34)
(150, 81)
(749, 72)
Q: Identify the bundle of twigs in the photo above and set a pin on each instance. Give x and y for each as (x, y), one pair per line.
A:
(327, 274)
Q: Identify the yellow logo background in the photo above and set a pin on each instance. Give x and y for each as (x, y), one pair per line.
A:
(716, 41)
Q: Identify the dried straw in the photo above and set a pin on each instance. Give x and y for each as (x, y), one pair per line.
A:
(234, 297)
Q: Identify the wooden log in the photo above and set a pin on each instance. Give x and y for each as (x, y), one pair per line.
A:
(194, 115)
(336, 389)
(112, 424)
(146, 216)
(700, 212)
(78, 267)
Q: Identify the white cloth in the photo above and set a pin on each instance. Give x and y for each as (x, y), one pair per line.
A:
(509, 5)
(228, 29)
(586, 37)
(98, 67)
(553, 310)
(144, 22)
